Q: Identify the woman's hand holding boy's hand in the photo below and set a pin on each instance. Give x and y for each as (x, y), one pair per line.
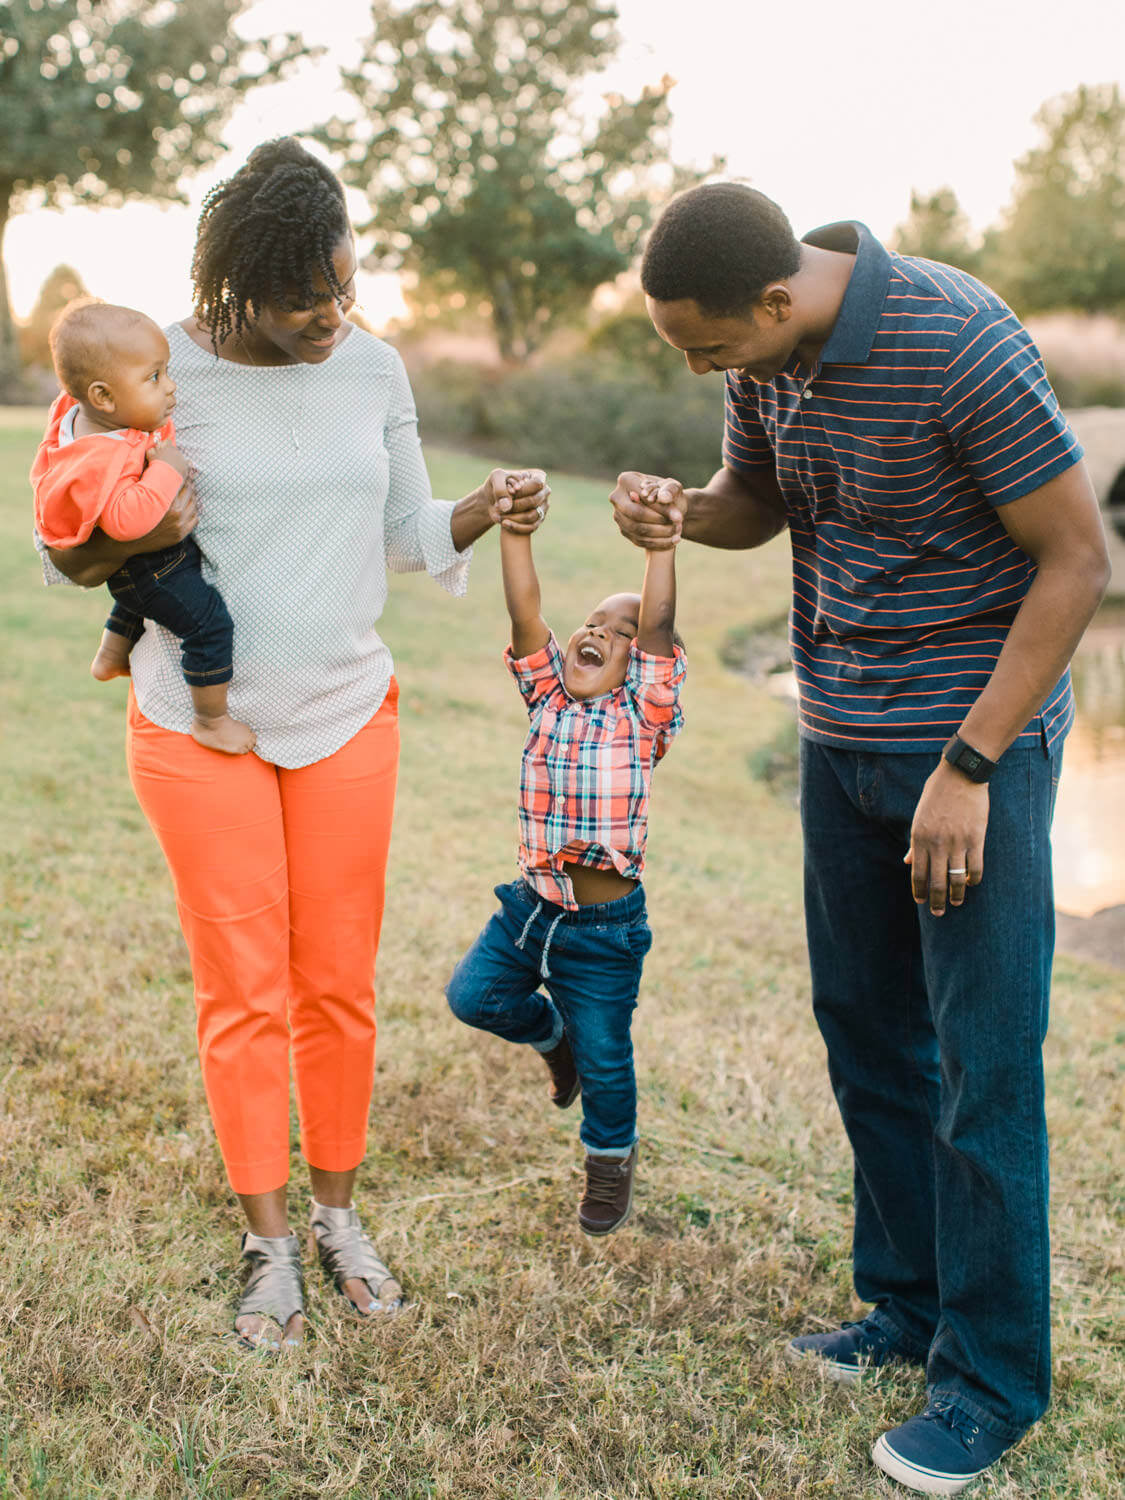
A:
(514, 499)
(518, 499)
(168, 453)
(649, 510)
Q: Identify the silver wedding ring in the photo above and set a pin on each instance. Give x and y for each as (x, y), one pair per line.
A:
(540, 512)
(952, 871)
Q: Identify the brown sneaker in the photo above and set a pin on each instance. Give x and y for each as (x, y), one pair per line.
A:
(608, 1198)
(565, 1083)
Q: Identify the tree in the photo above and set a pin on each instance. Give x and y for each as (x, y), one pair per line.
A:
(102, 102)
(1062, 242)
(937, 229)
(61, 286)
(478, 160)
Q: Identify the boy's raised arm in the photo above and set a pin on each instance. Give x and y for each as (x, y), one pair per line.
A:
(530, 632)
(658, 604)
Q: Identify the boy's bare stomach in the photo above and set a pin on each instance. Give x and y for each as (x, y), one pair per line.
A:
(592, 885)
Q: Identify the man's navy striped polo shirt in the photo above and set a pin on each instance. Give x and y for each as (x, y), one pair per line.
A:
(929, 409)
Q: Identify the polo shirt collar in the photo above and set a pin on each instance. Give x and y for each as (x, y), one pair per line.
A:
(853, 333)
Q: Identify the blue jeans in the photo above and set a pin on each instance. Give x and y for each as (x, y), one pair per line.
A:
(589, 961)
(934, 1028)
(169, 587)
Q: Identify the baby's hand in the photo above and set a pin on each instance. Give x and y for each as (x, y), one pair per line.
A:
(168, 453)
(662, 492)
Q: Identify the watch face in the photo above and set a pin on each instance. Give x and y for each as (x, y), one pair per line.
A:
(969, 762)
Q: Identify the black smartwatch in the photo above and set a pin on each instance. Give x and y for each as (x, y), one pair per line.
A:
(969, 762)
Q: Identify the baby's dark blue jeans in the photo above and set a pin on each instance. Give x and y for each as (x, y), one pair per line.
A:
(589, 961)
(169, 587)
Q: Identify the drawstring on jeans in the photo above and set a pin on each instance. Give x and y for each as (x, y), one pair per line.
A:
(544, 970)
(527, 925)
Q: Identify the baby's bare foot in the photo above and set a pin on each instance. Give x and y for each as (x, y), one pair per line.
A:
(112, 659)
(223, 733)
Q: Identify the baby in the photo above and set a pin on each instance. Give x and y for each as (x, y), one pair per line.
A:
(98, 466)
(602, 712)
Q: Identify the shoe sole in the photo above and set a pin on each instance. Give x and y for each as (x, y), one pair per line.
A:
(831, 1369)
(922, 1480)
(609, 1228)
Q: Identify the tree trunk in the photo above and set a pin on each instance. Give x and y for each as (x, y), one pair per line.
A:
(504, 317)
(10, 381)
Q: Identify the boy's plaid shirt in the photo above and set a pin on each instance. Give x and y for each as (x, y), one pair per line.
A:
(587, 766)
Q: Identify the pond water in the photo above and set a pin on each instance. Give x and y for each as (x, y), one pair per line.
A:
(1089, 831)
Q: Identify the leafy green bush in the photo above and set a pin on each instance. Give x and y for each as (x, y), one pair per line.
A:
(591, 416)
(452, 398)
(1085, 357)
(1086, 388)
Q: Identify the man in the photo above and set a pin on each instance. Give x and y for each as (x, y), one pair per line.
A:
(947, 555)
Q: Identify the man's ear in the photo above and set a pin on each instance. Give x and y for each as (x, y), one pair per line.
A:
(777, 302)
(101, 398)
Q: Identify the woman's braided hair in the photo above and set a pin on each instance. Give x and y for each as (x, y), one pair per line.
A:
(263, 235)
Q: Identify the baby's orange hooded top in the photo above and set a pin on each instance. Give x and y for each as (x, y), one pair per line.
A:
(99, 481)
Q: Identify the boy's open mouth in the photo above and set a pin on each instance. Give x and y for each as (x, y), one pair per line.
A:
(590, 656)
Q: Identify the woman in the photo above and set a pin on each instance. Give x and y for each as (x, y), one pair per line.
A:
(310, 484)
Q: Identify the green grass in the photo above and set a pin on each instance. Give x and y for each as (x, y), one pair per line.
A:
(534, 1364)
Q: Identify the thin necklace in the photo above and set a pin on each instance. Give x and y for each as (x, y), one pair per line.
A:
(301, 395)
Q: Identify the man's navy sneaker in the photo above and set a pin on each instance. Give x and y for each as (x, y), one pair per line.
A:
(846, 1352)
(938, 1452)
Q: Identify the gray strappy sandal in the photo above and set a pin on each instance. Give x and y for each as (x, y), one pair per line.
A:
(275, 1287)
(346, 1253)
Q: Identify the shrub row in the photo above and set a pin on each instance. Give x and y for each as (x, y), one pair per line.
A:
(1086, 388)
(590, 416)
(596, 416)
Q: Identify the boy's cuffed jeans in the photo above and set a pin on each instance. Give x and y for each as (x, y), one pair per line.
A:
(589, 961)
(934, 1028)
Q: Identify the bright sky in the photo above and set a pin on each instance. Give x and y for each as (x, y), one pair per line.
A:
(835, 110)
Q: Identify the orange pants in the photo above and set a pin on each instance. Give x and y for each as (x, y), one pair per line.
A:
(279, 878)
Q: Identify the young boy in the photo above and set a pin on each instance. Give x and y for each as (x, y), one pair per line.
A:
(97, 466)
(602, 714)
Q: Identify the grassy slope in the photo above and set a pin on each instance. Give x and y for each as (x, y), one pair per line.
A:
(534, 1363)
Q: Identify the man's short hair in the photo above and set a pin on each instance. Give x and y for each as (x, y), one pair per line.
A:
(83, 343)
(719, 245)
